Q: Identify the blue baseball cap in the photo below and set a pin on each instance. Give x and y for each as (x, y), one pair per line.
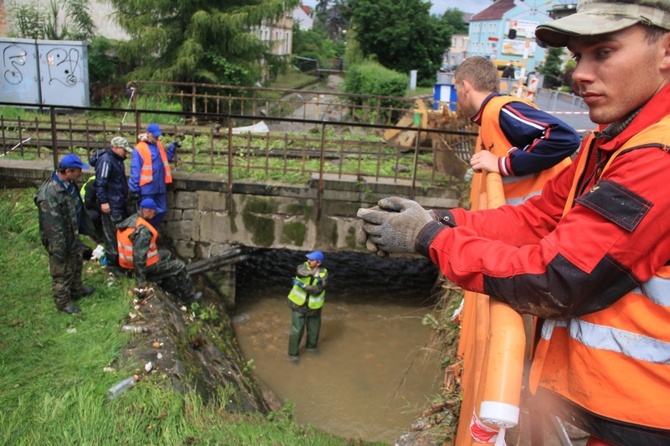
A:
(316, 255)
(72, 161)
(148, 203)
(155, 130)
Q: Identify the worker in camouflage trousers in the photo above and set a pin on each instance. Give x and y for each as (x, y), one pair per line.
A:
(138, 252)
(61, 215)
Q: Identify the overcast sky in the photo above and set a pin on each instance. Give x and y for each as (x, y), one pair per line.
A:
(439, 6)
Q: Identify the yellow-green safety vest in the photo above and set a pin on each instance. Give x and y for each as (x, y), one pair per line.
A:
(298, 295)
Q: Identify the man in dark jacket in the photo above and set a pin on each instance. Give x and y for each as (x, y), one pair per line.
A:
(508, 72)
(138, 252)
(111, 190)
(61, 214)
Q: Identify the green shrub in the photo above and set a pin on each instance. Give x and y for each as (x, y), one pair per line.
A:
(372, 78)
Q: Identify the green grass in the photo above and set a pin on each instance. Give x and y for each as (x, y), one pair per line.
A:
(53, 384)
(292, 80)
(420, 91)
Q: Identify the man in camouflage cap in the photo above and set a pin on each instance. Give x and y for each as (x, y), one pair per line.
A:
(111, 190)
(590, 257)
(61, 214)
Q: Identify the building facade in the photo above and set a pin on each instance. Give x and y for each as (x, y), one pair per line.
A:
(506, 31)
(302, 15)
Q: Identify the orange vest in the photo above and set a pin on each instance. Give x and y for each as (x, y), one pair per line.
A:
(146, 174)
(614, 362)
(517, 189)
(125, 245)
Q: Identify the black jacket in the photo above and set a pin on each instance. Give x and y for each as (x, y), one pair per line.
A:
(111, 184)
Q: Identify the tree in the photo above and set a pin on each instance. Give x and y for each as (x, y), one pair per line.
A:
(315, 44)
(453, 17)
(101, 63)
(199, 41)
(552, 70)
(62, 20)
(401, 34)
(330, 14)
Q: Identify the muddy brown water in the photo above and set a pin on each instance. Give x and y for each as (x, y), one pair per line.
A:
(372, 375)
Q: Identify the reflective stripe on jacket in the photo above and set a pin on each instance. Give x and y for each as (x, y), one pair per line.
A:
(299, 296)
(146, 173)
(517, 188)
(125, 245)
(609, 360)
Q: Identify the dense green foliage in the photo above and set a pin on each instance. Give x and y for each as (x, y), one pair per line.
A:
(61, 20)
(372, 78)
(553, 68)
(54, 383)
(402, 36)
(453, 17)
(315, 44)
(101, 63)
(205, 41)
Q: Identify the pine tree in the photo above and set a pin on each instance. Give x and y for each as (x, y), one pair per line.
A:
(198, 40)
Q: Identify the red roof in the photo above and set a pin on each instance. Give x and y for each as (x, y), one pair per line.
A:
(307, 9)
(495, 11)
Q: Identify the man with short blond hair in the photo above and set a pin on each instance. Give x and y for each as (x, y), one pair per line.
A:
(522, 143)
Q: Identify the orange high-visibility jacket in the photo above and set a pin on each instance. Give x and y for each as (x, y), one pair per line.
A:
(517, 189)
(614, 362)
(125, 245)
(146, 174)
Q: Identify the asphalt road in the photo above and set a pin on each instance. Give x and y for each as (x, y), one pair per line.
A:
(568, 107)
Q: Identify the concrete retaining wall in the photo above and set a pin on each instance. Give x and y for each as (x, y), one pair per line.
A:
(205, 219)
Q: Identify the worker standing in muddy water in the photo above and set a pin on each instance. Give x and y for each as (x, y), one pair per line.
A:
(306, 301)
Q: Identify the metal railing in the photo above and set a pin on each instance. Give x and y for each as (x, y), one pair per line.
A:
(289, 151)
(280, 103)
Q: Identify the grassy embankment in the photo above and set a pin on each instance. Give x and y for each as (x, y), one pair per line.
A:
(52, 365)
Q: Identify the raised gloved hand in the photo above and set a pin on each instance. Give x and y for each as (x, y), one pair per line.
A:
(177, 143)
(296, 282)
(362, 238)
(394, 227)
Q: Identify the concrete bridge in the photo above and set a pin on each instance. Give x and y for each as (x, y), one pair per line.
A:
(207, 218)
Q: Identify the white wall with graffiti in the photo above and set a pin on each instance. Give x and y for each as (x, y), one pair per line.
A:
(44, 72)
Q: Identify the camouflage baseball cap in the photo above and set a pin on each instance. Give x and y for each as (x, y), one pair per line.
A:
(119, 141)
(594, 17)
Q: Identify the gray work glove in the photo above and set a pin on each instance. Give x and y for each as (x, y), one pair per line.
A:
(362, 238)
(394, 227)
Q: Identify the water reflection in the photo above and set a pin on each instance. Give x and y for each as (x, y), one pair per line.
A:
(372, 375)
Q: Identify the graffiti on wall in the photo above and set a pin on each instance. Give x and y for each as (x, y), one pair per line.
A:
(13, 59)
(43, 72)
(63, 65)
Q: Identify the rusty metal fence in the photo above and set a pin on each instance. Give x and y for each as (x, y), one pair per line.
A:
(274, 102)
(280, 150)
